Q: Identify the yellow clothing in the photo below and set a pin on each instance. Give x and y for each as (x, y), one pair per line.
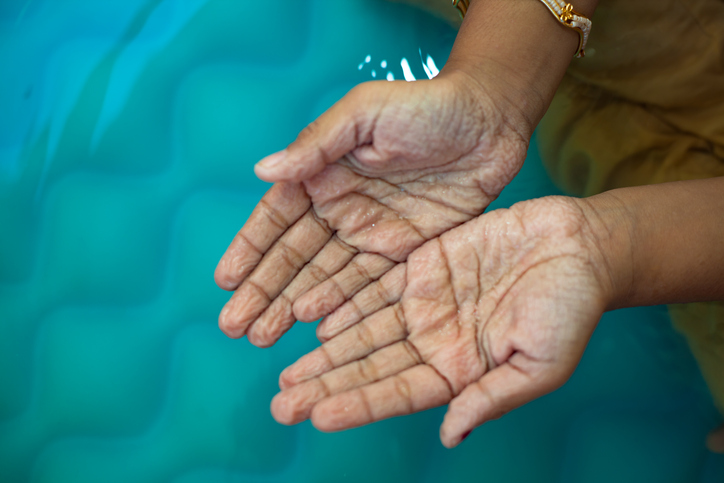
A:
(645, 106)
(647, 103)
(703, 326)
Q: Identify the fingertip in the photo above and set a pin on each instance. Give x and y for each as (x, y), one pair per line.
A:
(322, 336)
(304, 311)
(263, 332)
(449, 443)
(259, 341)
(230, 332)
(223, 319)
(317, 303)
(334, 323)
(292, 167)
(272, 167)
(236, 264)
(281, 411)
(269, 175)
(451, 439)
(285, 379)
(223, 279)
(322, 331)
(327, 419)
(299, 372)
(283, 384)
(459, 421)
(340, 412)
(323, 426)
(295, 405)
(302, 370)
(229, 324)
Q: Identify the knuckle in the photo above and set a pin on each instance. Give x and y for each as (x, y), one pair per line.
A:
(272, 215)
(311, 131)
(367, 370)
(365, 336)
(382, 292)
(291, 256)
(400, 317)
(403, 389)
(413, 352)
(361, 271)
(317, 272)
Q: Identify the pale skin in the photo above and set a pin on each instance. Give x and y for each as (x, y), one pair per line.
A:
(351, 221)
(388, 174)
(390, 166)
(498, 311)
(491, 315)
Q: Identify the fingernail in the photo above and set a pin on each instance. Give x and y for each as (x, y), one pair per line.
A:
(465, 435)
(273, 161)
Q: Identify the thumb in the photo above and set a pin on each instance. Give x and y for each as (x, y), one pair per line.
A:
(498, 392)
(335, 133)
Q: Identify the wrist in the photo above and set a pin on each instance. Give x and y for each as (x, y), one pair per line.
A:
(519, 47)
(661, 243)
(610, 225)
(489, 89)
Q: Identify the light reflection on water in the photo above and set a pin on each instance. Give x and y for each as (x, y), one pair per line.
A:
(428, 66)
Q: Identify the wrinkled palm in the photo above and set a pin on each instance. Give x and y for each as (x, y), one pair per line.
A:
(417, 159)
(486, 317)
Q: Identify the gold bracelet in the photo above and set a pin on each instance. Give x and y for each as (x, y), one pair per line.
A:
(562, 11)
(462, 6)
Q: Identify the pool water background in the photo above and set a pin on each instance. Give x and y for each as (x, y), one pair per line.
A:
(128, 132)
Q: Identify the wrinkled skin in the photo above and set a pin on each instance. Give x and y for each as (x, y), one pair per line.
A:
(487, 317)
(389, 167)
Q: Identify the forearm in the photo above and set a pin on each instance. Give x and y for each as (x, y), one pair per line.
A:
(663, 243)
(518, 48)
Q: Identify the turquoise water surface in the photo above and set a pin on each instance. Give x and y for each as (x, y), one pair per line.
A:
(128, 132)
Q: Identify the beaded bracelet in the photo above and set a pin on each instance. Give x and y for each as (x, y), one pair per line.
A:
(562, 11)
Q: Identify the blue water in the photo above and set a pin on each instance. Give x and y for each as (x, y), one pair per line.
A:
(128, 132)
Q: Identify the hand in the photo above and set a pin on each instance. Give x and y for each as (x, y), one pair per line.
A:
(493, 314)
(390, 166)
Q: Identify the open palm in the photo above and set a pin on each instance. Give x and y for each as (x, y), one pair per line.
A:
(488, 317)
(390, 166)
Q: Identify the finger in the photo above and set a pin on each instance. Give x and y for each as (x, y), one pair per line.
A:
(375, 296)
(413, 390)
(323, 299)
(501, 390)
(278, 209)
(295, 404)
(343, 127)
(279, 317)
(379, 330)
(370, 222)
(278, 267)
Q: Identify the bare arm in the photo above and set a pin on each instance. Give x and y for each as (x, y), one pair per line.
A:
(521, 45)
(498, 311)
(664, 243)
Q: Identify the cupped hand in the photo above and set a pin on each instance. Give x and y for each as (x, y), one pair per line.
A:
(489, 316)
(390, 166)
